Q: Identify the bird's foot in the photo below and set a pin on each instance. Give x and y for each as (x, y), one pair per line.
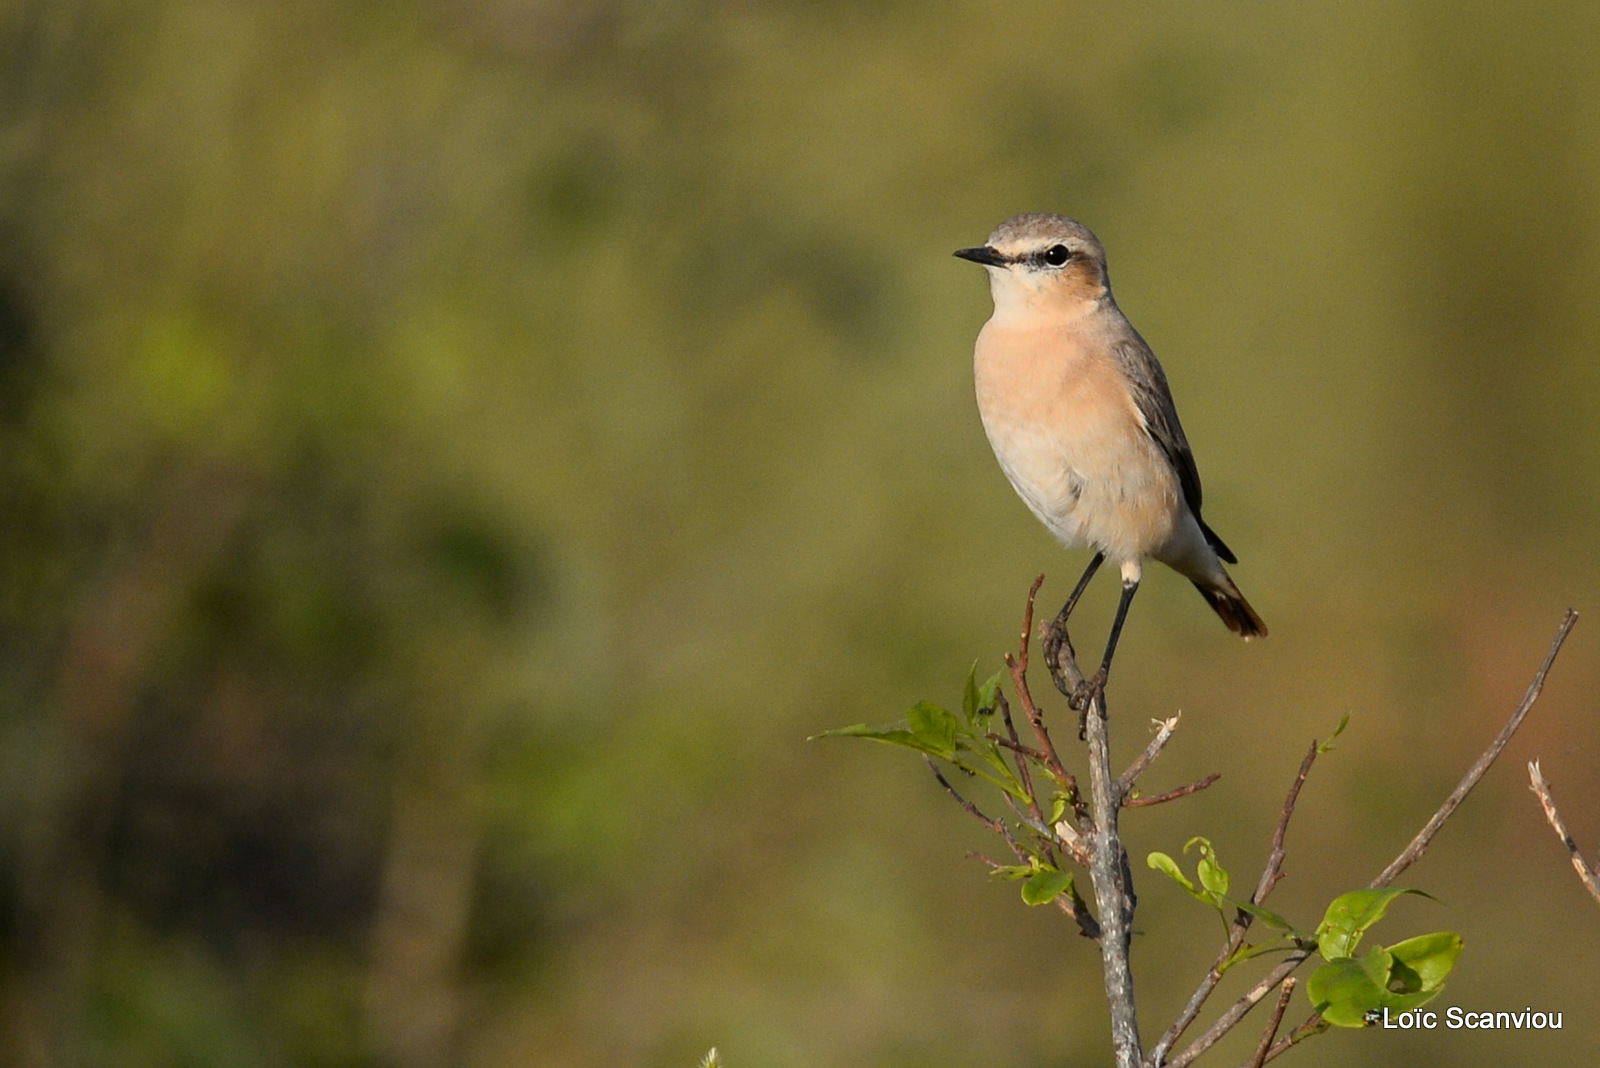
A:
(1055, 640)
(1086, 691)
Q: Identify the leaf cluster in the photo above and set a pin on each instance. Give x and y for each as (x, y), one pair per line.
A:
(968, 744)
(1352, 991)
(1348, 990)
(1212, 890)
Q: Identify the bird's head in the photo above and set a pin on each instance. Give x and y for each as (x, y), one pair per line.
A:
(1041, 261)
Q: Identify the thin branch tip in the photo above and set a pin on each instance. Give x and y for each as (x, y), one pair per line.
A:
(1588, 874)
(1264, 1047)
(1419, 844)
(1173, 794)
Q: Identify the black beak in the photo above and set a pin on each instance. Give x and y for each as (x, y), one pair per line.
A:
(983, 254)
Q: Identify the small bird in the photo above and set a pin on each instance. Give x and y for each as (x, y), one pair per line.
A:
(1079, 415)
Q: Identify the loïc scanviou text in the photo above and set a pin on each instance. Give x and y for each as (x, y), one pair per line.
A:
(1456, 1018)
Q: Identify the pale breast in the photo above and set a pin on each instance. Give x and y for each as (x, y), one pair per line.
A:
(1069, 438)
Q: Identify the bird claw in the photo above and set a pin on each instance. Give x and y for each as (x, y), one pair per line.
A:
(1084, 694)
(1055, 636)
(1058, 654)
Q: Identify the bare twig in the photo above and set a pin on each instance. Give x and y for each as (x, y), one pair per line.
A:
(1237, 1010)
(1046, 757)
(1010, 741)
(1166, 727)
(1419, 844)
(1271, 1032)
(1015, 743)
(1016, 746)
(1019, 680)
(1270, 876)
(1311, 1025)
(1024, 775)
(1273, 873)
(1408, 856)
(997, 826)
(1173, 794)
(1589, 876)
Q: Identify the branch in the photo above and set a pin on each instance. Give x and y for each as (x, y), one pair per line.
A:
(1271, 1032)
(1036, 815)
(1312, 1025)
(1419, 844)
(1270, 876)
(1236, 1012)
(1173, 794)
(1108, 868)
(1167, 726)
(1015, 746)
(1113, 889)
(1019, 679)
(997, 826)
(1273, 873)
(1590, 876)
(1407, 857)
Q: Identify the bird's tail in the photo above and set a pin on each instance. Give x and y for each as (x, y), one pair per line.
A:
(1229, 603)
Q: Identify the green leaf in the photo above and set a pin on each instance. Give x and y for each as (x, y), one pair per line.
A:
(1344, 990)
(989, 692)
(891, 735)
(978, 701)
(1045, 885)
(1375, 962)
(1348, 918)
(1404, 976)
(1163, 863)
(1429, 958)
(934, 728)
(1213, 876)
(1326, 744)
(1343, 993)
(1268, 917)
(1012, 871)
(1009, 784)
(1058, 808)
(1246, 951)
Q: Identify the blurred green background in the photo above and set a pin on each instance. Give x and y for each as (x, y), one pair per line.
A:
(453, 452)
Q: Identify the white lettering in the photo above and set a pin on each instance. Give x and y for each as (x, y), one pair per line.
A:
(1455, 1018)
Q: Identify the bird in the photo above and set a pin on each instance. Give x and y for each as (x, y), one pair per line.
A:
(1080, 417)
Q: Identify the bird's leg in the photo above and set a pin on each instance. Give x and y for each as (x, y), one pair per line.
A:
(1055, 635)
(1077, 591)
(1093, 687)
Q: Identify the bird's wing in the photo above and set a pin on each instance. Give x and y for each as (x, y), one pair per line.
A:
(1153, 398)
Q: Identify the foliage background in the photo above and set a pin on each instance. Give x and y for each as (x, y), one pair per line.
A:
(453, 453)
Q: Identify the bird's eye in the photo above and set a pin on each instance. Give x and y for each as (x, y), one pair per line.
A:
(1056, 255)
